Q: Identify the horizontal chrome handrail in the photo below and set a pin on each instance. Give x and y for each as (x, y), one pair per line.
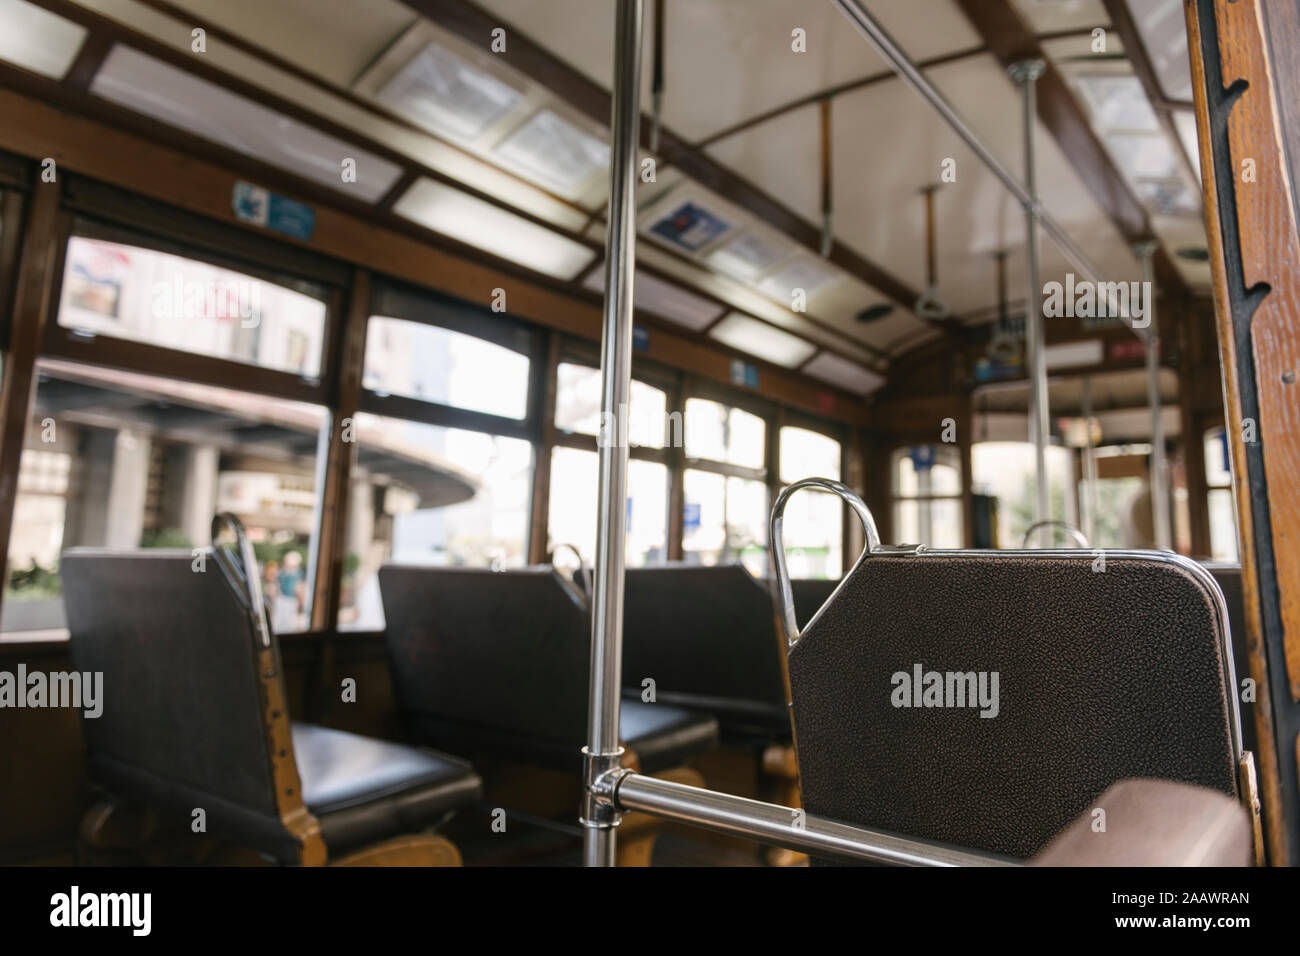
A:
(781, 826)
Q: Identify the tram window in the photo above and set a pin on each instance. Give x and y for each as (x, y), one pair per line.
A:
(433, 364)
(722, 433)
(143, 295)
(572, 514)
(577, 407)
(1005, 470)
(1221, 503)
(813, 523)
(725, 520)
(121, 460)
(425, 494)
(927, 496)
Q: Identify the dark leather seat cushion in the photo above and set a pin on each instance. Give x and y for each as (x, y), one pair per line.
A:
(664, 736)
(362, 789)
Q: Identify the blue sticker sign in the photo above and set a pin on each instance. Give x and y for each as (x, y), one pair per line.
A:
(640, 338)
(690, 227)
(922, 457)
(742, 373)
(264, 208)
(691, 515)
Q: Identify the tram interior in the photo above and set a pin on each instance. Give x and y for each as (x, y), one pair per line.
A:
(305, 427)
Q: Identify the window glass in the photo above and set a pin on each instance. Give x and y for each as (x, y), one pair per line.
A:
(927, 496)
(577, 407)
(717, 432)
(1005, 470)
(1221, 503)
(725, 521)
(120, 460)
(813, 524)
(434, 364)
(572, 516)
(425, 494)
(142, 295)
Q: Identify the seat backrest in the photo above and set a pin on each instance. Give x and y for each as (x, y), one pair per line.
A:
(707, 637)
(1228, 577)
(506, 652)
(185, 722)
(1101, 676)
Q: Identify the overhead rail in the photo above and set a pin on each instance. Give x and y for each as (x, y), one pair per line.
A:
(910, 73)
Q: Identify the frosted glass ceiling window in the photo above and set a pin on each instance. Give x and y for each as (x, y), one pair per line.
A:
(1163, 30)
(37, 40)
(849, 376)
(664, 299)
(553, 151)
(803, 272)
(749, 255)
(126, 292)
(494, 230)
(448, 95)
(1118, 102)
(766, 341)
(193, 105)
(434, 364)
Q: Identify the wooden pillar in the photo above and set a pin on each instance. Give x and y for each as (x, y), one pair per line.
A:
(336, 488)
(1239, 52)
(34, 291)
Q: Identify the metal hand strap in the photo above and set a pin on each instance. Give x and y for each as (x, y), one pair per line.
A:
(1078, 537)
(246, 571)
(826, 485)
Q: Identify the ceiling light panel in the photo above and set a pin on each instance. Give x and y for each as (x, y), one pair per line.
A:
(757, 338)
(172, 96)
(805, 272)
(555, 153)
(37, 40)
(850, 376)
(502, 233)
(447, 94)
(665, 299)
(749, 255)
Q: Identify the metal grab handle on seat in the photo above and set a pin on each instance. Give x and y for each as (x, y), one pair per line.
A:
(582, 576)
(248, 571)
(850, 497)
(1078, 537)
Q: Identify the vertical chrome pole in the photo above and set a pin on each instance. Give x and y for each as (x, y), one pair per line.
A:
(1025, 74)
(1158, 470)
(603, 751)
(1089, 466)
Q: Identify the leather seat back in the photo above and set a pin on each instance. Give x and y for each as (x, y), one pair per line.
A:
(1101, 676)
(707, 637)
(506, 652)
(184, 723)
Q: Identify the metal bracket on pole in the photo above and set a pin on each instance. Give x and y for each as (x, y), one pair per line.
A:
(603, 752)
(1025, 74)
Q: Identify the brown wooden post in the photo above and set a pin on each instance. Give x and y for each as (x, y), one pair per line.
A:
(33, 302)
(1239, 51)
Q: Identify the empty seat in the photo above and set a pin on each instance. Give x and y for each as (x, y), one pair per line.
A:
(1101, 676)
(495, 663)
(194, 716)
(707, 637)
